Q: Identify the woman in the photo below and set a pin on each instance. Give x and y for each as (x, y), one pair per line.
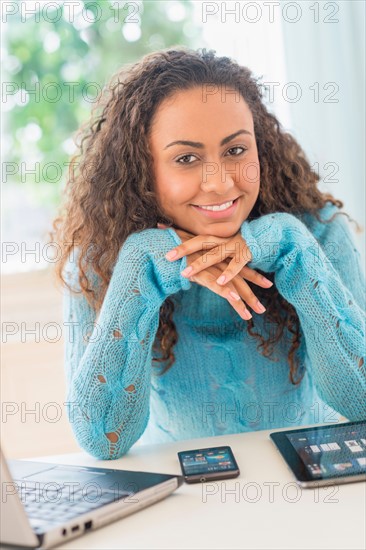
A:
(182, 139)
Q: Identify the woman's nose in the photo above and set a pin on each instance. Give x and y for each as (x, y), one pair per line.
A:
(218, 177)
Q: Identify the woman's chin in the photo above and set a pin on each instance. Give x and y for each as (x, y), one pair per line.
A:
(224, 231)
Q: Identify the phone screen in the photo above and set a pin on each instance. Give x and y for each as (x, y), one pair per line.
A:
(202, 461)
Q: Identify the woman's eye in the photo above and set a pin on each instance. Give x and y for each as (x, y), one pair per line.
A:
(184, 157)
(237, 147)
(181, 160)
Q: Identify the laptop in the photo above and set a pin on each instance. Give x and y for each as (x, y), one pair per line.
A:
(44, 504)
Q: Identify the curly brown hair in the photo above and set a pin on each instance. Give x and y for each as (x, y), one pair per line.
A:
(114, 180)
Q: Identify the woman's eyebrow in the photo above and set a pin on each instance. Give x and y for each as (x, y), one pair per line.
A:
(199, 145)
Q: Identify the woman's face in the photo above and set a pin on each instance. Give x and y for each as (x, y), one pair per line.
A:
(205, 153)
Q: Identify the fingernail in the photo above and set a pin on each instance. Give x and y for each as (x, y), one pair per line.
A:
(267, 281)
(170, 255)
(234, 295)
(247, 315)
(221, 280)
(186, 271)
(260, 307)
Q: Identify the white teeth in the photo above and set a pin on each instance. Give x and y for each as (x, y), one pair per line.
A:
(216, 208)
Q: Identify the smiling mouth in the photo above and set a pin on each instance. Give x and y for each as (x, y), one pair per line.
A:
(217, 207)
(217, 213)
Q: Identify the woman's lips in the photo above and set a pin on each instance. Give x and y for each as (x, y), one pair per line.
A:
(218, 213)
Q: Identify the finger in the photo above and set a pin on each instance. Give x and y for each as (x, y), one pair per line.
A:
(182, 250)
(209, 259)
(241, 256)
(254, 277)
(208, 279)
(250, 275)
(245, 292)
(198, 243)
(231, 270)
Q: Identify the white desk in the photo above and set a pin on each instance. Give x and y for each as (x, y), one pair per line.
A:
(266, 509)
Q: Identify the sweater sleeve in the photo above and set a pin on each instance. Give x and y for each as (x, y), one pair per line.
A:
(108, 361)
(327, 289)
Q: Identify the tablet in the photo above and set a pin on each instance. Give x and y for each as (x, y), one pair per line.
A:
(333, 453)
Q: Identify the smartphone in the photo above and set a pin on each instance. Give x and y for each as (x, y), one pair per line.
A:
(200, 465)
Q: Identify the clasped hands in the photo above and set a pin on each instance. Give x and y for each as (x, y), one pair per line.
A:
(220, 264)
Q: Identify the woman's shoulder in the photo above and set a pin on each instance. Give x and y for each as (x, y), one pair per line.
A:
(324, 213)
(332, 220)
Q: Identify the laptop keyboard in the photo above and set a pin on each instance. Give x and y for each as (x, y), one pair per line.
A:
(47, 506)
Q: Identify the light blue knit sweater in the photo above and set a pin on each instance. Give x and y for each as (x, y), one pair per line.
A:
(220, 383)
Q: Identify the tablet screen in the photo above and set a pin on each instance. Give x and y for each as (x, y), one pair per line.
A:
(331, 451)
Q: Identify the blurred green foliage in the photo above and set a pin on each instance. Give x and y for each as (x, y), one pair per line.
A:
(56, 63)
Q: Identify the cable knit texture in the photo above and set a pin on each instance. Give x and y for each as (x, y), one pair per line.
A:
(220, 383)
